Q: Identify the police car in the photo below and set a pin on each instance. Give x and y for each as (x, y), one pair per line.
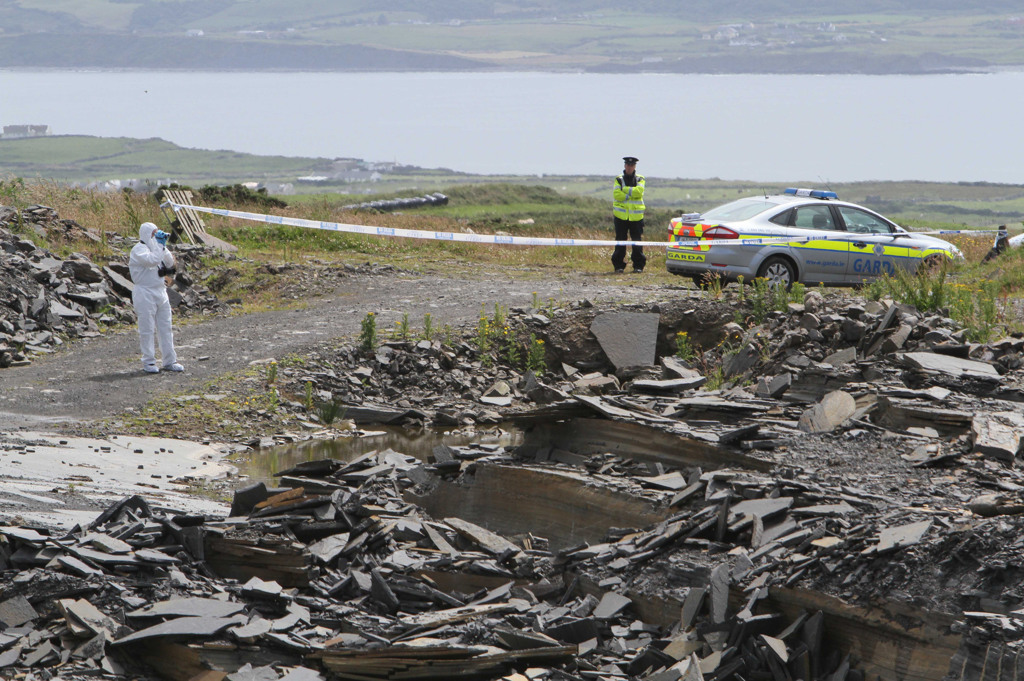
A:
(801, 235)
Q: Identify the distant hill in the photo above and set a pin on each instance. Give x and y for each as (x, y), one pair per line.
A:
(872, 36)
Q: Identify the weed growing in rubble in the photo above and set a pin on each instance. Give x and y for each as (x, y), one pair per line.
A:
(535, 302)
(308, 401)
(428, 328)
(491, 332)
(329, 412)
(368, 334)
(766, 299)
(483, 338)
(535, 355)
(796, 293)
(977, 309)
(513, 353)
(684, 347)
(402, 328)
(715, 380)
(273, 400)
(712, 286)
(272, 372)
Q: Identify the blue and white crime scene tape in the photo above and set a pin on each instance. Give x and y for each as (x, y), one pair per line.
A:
(501, 239)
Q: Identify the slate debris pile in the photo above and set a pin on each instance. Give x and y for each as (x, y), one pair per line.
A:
(45, 299)
(900, 365)
(341, 577)
(893, 435)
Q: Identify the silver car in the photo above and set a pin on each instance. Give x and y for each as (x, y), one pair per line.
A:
(855, 244)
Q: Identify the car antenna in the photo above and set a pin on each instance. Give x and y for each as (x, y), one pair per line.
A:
(827, 186)
(765, 192)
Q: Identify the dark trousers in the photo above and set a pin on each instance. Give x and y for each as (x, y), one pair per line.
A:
(629, 231)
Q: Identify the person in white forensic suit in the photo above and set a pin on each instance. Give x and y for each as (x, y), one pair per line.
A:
(149, 262)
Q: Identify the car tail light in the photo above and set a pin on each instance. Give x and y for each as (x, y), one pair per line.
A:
(719, 232)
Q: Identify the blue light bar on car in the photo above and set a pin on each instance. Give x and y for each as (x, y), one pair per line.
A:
(813, 193)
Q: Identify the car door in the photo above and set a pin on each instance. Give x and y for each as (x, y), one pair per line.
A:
(821, 260)
(874, 249)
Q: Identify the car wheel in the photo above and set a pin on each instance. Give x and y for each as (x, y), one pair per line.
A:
(778, 271)
(933, 263)
(706, 280)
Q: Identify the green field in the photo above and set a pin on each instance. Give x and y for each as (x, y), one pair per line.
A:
(69, 159)
(799, 36)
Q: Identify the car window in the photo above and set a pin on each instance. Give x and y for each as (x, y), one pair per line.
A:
(742, 209)
(814, 217)
(783, 218)
(862, 222)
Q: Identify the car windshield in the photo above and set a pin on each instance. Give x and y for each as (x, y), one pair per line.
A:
(743, 209)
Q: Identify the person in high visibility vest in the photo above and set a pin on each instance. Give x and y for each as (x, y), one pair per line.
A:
(628, 210)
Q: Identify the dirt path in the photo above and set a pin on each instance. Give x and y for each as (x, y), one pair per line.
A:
(100, 377)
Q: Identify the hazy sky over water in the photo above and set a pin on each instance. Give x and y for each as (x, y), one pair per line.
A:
(752, 127)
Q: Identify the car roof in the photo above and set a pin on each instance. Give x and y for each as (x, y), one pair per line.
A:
(788, 199)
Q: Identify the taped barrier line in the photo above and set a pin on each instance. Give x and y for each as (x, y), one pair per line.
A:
(535, 241)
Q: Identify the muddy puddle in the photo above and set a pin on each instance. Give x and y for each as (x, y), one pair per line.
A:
(262, 465)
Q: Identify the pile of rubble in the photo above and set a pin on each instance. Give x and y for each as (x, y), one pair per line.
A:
(485, 563)
(339, 574)
(45, 299)
(881, 354)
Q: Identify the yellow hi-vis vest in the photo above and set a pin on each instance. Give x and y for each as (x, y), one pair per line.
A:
(628, 202)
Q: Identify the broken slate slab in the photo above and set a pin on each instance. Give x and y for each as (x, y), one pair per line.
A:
(773, 386)
(672, 367)
(998, 435)
(249, 673)
(611, 605)
(184, 627)
(189, 607)
(487, 540)
(326, 550)
(628, 339)
(82, 612)
(833, 410)
(841, 357)
(891, 538)
(951, 366)
(672, 385)
(253, 630)
(741, 361)
(16, 611)
(302, 674)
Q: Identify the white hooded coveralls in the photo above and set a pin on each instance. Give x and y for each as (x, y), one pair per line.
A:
(150, 296)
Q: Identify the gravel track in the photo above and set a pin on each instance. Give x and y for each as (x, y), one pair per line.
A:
(100, 377)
